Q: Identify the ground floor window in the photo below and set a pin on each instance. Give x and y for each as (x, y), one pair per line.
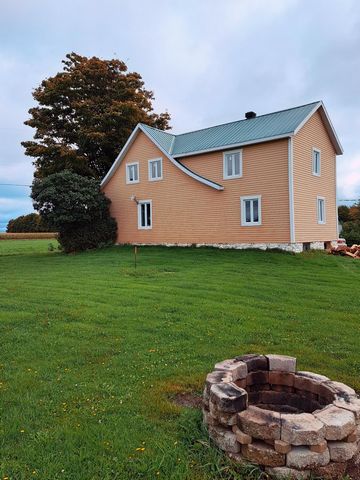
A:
(145, 214)
(251, 210)
(321, 210)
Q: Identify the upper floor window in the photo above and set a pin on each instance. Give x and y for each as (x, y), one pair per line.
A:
(145, 214)
(251, 210)
(233, 164)
(321, 216)
(155, 169)
(132, 172)
(316, 162)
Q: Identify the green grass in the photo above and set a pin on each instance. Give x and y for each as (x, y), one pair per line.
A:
(92, 351)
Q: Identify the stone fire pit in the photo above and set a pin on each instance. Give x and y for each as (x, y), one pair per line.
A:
(261, 410)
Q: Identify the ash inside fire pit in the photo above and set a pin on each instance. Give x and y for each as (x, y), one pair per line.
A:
(260, 409)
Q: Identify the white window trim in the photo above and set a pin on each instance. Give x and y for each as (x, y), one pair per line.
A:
(141, 202)
(151, 179)
(127, 172)
(229, 152)
(318, 210)
(243, 213)
(313, 162)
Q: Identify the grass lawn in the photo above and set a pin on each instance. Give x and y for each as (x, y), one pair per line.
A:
(92, 351)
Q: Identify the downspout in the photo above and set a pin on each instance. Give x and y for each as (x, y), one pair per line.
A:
(291, 187)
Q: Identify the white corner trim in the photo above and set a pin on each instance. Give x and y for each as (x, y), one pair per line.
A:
(229, 152)
(291, 188)
(243, 199)
(156, 179)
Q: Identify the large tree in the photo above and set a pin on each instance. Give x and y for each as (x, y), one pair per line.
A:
(85, 114)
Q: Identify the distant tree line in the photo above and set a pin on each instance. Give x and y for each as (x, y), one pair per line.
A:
(33, 223)
(349, 217)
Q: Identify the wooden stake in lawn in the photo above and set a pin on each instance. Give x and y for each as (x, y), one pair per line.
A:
(135, 255)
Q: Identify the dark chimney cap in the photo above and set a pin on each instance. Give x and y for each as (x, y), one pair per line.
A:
(250, 115)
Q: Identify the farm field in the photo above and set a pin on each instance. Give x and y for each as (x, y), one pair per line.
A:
(93, 352)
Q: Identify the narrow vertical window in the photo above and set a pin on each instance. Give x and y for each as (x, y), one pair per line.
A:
(145, 214)
(232, 167)
(321, 214)
(316, 162)
(250, 210)
(155, 169)
(132, 172)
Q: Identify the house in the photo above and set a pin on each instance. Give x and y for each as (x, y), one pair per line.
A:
(266, 181)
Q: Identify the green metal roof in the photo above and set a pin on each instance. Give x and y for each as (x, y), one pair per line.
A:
(234, 133)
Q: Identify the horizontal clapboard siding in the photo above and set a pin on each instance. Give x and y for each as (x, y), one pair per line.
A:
(186, 211)
(308, 187)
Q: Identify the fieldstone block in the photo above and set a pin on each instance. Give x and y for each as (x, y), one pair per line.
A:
(242, 438)
(342, 451)
(303, 458)
(352, 404)
(320, 447)
(260, 424)
(301, 429)
(282, 388)
(208, 419)
(342, 390)
(228, 397)
(238, 458)
(237, 369)
(281, 446)
(331, 471)
(224, 439)
(305, 384)
(281, 378)
(212, 379)
(261, 453)
(286, 473)
(282, 363)
(258, 378)
(313, 376)
(227, 419)
(339, 423)
(254, 362)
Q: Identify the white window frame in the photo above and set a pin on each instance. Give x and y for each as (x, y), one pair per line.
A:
(142, 202)
(127, 172)
(152, 179)
(314, 172)
(323, 221)
(230, 152)
(244, 223)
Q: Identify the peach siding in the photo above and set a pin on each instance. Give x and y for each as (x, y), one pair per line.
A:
(186, 211)
(308, 186)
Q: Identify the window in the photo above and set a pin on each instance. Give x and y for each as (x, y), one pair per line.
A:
(132, 172)
(145, 215)
(321, 210)
(251, 210)
(155, 169)
(316, 162)
(233, 164)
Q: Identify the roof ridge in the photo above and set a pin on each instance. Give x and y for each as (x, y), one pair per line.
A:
(157, 129)
(246, 119)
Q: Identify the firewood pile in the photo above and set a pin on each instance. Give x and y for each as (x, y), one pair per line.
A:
(343, 249)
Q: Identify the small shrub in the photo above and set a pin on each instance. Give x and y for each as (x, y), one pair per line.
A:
(351, 233)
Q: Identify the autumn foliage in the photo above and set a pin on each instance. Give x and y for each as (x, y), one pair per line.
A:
(85, 114)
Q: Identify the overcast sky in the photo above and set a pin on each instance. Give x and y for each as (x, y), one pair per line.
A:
(207, 61)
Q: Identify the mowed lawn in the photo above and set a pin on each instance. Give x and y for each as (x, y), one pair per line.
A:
(93, 351)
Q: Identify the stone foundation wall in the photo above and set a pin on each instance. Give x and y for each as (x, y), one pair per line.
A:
(259, 409)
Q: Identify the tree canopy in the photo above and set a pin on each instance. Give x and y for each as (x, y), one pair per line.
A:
(28, 223)
(85, 114)
(76, 207)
